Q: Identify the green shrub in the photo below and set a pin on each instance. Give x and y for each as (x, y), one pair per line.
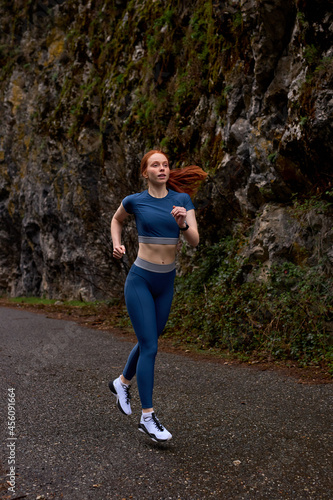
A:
(284, 316)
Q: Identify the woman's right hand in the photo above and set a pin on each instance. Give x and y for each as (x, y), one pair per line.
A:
(119, 251)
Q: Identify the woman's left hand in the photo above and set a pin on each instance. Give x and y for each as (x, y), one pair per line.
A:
(179, 213)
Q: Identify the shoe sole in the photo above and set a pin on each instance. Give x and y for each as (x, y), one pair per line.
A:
(114, 392)
(152, 436)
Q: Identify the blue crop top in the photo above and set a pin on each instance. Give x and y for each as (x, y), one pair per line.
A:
(153, 218)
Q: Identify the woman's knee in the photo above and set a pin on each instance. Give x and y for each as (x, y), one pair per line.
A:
(149, 350)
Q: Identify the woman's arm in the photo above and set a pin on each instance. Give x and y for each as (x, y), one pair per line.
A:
(191, 235)
(116, 230)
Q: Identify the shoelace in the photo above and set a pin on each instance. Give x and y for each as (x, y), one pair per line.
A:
(128, 396)
(157, 423)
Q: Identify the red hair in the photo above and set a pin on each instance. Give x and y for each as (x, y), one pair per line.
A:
(184, 180)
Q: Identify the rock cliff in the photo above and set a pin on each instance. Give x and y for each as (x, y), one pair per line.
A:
(241, 88)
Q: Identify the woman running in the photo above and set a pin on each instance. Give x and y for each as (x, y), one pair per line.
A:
(161, 212)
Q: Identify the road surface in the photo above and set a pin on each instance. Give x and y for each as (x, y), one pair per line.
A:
(238, 433)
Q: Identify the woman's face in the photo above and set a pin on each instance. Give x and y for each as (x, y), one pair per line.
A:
(158, 169)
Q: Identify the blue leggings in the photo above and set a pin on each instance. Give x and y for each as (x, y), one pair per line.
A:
(148, 298)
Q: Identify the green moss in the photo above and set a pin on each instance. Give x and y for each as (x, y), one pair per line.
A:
(310, 54)
(46, 302)
(147, 97)
(272, 157)
(31, 300)
(302, 206)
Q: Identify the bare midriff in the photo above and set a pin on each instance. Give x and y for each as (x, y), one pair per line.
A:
(157, 254)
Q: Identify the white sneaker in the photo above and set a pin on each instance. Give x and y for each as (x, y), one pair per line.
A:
(151, 425)
(121, 391)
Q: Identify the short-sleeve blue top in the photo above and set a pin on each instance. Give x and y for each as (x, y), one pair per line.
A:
(153, 218)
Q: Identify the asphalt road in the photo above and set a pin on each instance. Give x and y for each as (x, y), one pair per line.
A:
(238, 433)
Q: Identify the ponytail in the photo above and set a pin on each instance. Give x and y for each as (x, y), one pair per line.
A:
(187, 179)
(184, 180)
